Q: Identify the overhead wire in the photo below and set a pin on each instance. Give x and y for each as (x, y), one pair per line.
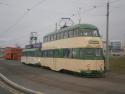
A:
(24, 14)
(40, 2)
(1, 3)
(115, 7)
(95, 7)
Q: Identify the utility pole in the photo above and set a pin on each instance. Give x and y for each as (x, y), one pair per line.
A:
(56, 26)
(79, 13)
(107, 38)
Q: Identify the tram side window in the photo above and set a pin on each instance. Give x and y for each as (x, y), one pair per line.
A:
(84, 32)
(76, 32)
(90, 52)
(65, 34)
(84, 53)
(51, 54)
(48, 38)
(81, 33)
(33, 53)
(56, 53)
(71, 33)
(87, 33)
(28, 53)
(51, 37)
(75, 53)
(58, 36)
(61, 35)
(81, 53)
(44, 39)
(38, 53)
(97, 52)
(66, 53)
(69, 53)
(95, 33)
(45, 53)
(41, 54)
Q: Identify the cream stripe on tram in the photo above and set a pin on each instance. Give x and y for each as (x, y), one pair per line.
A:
(75, 42)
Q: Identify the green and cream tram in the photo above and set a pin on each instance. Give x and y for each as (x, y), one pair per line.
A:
(31, 56)
(76, 48)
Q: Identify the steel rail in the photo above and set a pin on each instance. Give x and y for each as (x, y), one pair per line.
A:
(18, 87)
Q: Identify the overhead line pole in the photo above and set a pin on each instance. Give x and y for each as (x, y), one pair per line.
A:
(107, 38)
(79, 13)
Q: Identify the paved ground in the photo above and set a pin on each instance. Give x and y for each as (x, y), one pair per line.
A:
(50, 82)
(4, 91)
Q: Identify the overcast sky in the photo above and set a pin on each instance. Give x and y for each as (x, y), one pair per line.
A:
(20, 17)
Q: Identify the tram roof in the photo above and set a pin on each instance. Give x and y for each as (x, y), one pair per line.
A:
(80, 26)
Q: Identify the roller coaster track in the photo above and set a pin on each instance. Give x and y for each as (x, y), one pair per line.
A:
(15, 88)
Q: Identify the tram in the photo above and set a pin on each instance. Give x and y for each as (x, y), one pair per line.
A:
(77, 48)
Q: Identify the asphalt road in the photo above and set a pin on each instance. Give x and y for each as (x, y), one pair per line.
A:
(4, 91)
(50, 82)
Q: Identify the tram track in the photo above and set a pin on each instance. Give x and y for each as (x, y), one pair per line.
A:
(9, 88)
(15, 88)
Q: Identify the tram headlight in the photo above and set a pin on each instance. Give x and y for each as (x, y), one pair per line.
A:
(39, 60)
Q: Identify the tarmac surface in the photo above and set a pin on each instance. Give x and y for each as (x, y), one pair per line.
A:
(4, 91)
(51, 82)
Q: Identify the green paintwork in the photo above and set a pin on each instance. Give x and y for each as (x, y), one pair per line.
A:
(92, 73)
(32, 52)
(62, 53)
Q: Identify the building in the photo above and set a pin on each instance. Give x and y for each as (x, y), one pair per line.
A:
(115, 47)
(12, 53)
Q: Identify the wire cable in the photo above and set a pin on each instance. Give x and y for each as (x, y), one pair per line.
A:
(95, 7)
(22, 16)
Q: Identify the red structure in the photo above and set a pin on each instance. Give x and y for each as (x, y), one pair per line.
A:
(12, 53)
